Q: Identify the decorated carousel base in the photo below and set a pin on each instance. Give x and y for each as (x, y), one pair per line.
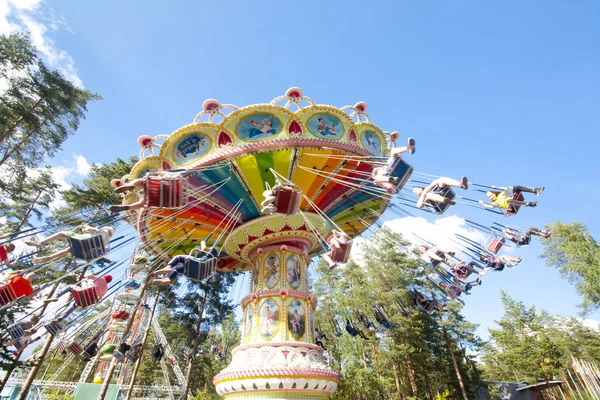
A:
(277, 370)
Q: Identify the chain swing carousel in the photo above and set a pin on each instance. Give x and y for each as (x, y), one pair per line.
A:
(265, 188)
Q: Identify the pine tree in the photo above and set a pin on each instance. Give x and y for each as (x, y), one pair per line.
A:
(521, 349)
(576, 254)
(39, 108)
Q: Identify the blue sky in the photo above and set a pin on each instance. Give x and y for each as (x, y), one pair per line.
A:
(503, 92)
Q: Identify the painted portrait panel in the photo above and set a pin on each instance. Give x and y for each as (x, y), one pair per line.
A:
(247, 323)
(190, 148)
(296, 319)
(293, 271)
(254, 276)
(258, 127)
(371, 142)
(269, 319)
(146, 171)
(271, 271)
(326, 126)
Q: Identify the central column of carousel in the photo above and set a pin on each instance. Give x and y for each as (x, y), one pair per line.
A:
(277, 358)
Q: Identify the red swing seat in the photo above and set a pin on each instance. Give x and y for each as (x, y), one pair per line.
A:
(120, 315)
(75, 348)
(7, 294)
(340, 254)
(287, 199)
(85, 297)
(513, 209)
(495, 245)
(62, 347)
(164, 192)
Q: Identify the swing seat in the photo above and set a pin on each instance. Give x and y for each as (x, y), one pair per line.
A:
(351, 330)
(132, 356)
(342, 253)
(495, 245)
(164, 192)
(440, 208)
(105, 359)
(287, 199)
(399, 169)
(7, 294)
(121, 315)
(54, 328)
(62, 347)
(513, 209)
(87, 249)
(128, 298)
(462, 274)
(199, 269)
(108, 349)
(15, 332)
(157, 356)
(118, 355)
(117, 328)
(88, 356)
(85, 297)
(75, 348)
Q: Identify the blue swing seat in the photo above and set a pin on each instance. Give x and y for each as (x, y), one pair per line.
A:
(87, 249)
(118, 355)
(15, 332)
(440, 208)
(399, 169)
(200, 268)
(133, 356)
(54, 328)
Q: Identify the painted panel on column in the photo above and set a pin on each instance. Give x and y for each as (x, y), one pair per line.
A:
(271, 271)
(248, 323)
(293, 271)
(296, 319)
(254, 281)
(269, 319)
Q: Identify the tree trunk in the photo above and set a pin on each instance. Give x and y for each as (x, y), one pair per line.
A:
(375, 358)
(24, 219)
(455, 363)
(188, 372)
(138, 362)
(396, 377)
(24, 139)
(411, 369)
(16, 124)
(428, 387)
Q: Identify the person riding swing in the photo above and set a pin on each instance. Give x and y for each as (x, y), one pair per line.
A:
(88, 245)
(438, 194)
(195, 268)
(383, 176)
(509, 200)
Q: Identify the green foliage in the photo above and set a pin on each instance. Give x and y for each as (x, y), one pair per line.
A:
(29, 200)
(531, 346)
(411, 360)
(39, 108)
(96, 190)
(575, 252)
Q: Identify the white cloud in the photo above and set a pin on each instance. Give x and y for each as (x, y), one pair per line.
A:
(441, 233)
(82, 165)
(40, 22)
